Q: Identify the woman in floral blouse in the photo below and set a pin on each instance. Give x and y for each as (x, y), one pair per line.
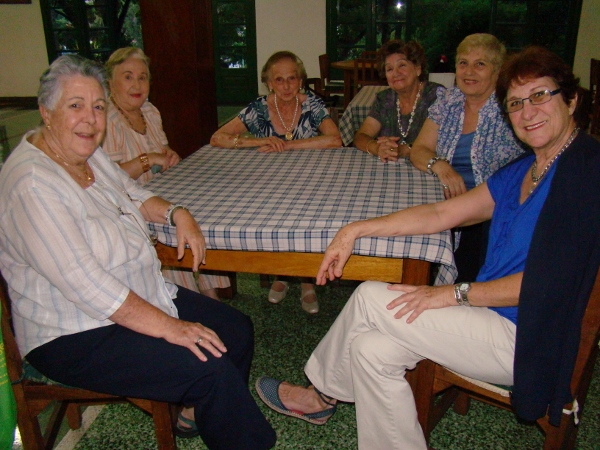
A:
(282, 120)
(466, 137)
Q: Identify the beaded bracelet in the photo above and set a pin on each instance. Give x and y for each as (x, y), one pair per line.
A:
(171, 211)
(432, 161)
(369, 143)
(235, 141)
(145, 162)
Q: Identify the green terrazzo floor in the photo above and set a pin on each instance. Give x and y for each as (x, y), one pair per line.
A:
(285, 336)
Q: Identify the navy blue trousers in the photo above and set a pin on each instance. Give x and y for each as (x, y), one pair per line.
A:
(119, 361)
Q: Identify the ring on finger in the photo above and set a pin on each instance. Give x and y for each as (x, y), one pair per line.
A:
(445, 186)
(199, 340)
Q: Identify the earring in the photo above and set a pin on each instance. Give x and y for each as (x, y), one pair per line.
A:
(47, 126)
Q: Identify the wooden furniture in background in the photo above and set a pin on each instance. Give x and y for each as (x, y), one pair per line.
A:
(366, 73)
(434, 379)
(178, 38)
(329, 86)
(32, 398)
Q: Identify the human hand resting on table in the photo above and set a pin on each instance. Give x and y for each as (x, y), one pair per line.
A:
(188, 232)
(172, 157)
(420, 298)
(387, 148)
(271, 145)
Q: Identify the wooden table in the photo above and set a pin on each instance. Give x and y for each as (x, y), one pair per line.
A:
(348, 68)
(276, 213)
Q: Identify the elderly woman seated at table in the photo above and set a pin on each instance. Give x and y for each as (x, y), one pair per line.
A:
(283, 120)
(89, 305)
(543, 249)
(398, 113)
(136, 141)
(466, 139)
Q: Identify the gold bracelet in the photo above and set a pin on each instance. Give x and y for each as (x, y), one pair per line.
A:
(145, 162)
(235, 141)
(369, 143)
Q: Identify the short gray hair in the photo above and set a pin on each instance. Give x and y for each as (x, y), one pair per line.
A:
(67, 66)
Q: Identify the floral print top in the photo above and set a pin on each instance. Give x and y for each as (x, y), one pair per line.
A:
(256, 118)
(494, 143)
(385, 112)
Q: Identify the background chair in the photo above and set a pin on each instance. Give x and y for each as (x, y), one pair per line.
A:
(365, 73)
(330, 87)
(369, 54)
(33, 397)
(434, 379)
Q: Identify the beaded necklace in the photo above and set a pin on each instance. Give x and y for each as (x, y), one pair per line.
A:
(289, 135)
(535, 179)
(410, 120)
(127, 118)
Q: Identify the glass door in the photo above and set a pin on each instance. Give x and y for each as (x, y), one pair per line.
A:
(234, 28)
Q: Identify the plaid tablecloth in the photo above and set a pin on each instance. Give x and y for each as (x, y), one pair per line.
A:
(357, 111)
(297, 201)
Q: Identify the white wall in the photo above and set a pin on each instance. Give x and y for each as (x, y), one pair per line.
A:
(23, 55)
(294, 25)
(588, 40)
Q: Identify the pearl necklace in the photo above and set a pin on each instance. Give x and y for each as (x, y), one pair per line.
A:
(535, 179)
(83, 174)
(289, 135)
(127, 118)
(410, 120)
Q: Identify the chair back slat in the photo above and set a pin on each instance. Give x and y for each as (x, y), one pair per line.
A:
(13, 356)
(365, 73)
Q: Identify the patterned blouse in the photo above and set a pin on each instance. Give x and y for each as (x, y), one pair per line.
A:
(256, 118)
(123, 144)
(494, 143)
(385, 112)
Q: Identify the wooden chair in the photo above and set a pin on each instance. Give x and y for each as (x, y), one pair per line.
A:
(33, 397)
(365, 73)
(369, 54)
(329, 86)
(453, 388)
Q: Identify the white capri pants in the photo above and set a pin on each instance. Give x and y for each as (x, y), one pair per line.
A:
(366, 352)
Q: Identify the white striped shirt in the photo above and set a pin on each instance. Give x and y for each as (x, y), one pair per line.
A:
(68, 255)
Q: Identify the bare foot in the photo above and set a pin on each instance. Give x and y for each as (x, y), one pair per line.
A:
(299, 398)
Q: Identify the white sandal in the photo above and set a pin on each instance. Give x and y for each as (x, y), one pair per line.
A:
(275, 296)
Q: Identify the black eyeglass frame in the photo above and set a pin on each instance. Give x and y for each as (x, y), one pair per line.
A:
(522, 100)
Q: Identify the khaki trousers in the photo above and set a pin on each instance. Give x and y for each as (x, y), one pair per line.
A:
(366, 352)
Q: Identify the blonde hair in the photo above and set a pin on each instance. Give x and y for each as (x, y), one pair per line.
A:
(494, 49)
(275, 58)
(121, 55)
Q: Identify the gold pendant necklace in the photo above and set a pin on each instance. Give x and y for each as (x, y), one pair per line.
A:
(289, 135)
(83, 174)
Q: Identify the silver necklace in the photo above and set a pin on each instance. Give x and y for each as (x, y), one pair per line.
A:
(289, 135)
(410, 120)
(535, 179)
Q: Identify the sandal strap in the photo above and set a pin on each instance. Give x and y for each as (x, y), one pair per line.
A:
(308, 292)
(326, 399)
(189, 422)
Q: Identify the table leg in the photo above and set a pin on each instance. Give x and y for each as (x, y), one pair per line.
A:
(348, 82)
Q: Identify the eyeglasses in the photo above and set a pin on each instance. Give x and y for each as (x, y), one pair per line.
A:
(537, 98)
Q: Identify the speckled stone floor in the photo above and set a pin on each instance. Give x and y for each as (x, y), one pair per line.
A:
(285, 337)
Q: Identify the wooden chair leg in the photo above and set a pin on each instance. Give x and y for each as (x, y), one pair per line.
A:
(230, 291)
(163, 426)
(462, 403)
(74, 418)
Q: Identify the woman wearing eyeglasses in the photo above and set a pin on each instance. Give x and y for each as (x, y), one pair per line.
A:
(466, 139)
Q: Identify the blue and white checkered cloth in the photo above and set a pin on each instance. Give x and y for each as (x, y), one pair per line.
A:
(297, 201)
(357, 111)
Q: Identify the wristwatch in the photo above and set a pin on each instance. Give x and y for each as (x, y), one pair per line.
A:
(460, 293)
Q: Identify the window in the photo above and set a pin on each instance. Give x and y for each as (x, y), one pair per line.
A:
(440, 25)
(91, 28)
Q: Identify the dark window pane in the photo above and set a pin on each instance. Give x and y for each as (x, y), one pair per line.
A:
(390, 11)
(66, 40)
(388, 31)
(99, 40)
(231, 13)
(352, 11)
(514, 11)
(233, 58)
(232, 35)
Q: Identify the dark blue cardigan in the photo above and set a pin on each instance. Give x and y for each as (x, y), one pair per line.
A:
(559, 274)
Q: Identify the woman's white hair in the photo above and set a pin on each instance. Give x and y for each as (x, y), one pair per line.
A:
(63, 68)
